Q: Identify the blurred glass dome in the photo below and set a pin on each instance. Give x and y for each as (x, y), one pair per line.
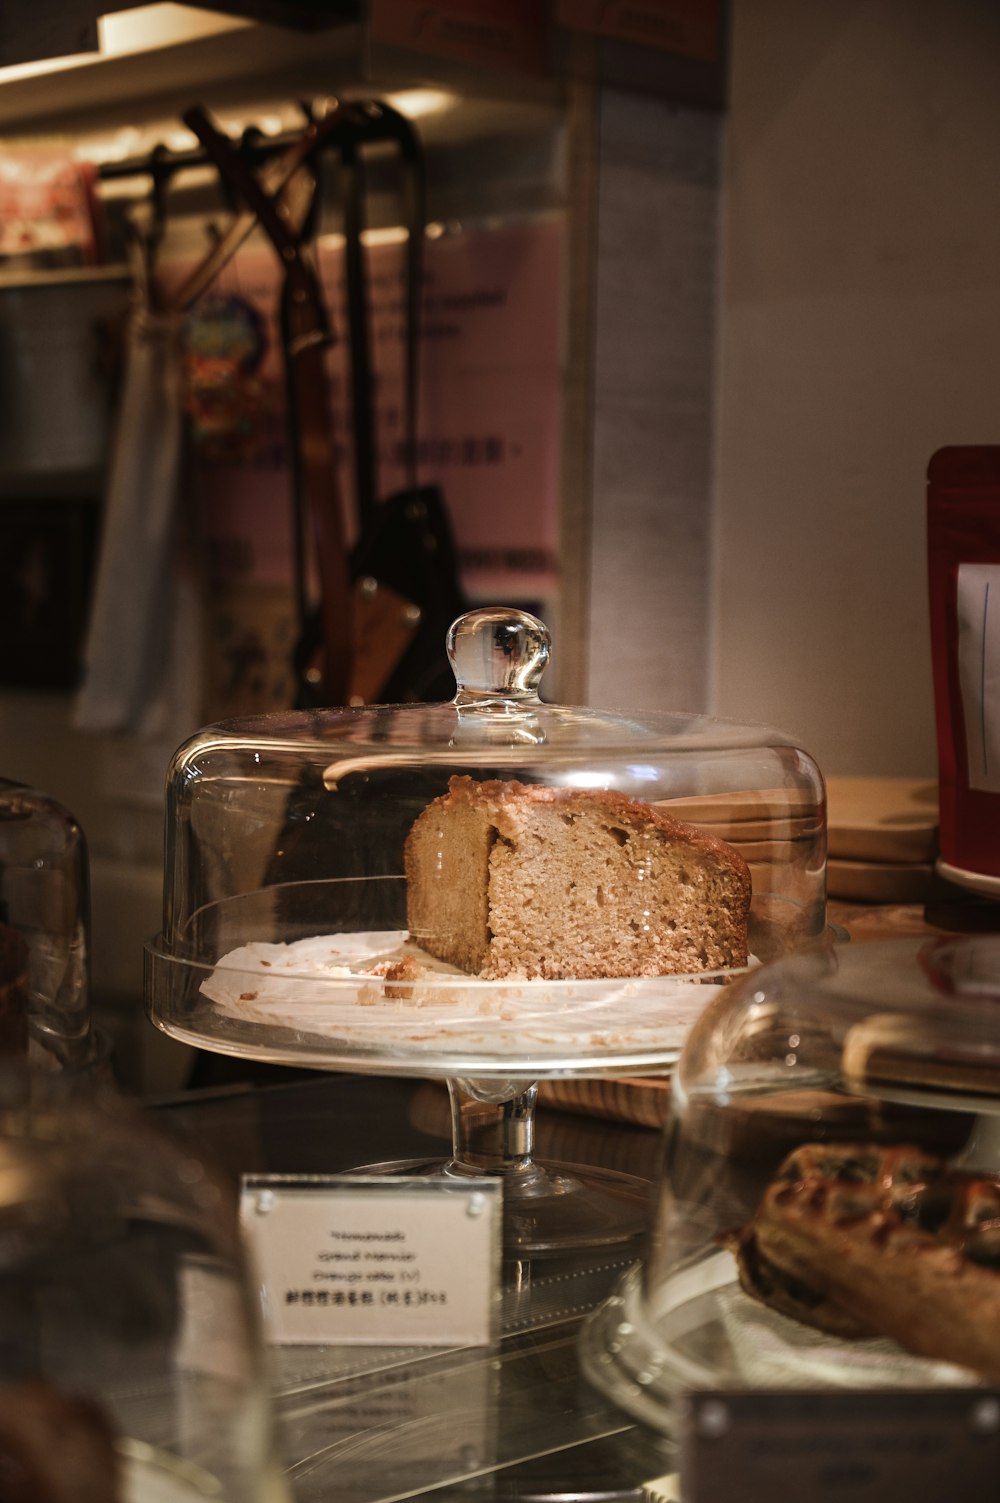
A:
(131, 1366)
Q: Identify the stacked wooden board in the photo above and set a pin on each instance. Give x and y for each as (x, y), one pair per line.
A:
(882, 838)
(882, 832)
(767, 826)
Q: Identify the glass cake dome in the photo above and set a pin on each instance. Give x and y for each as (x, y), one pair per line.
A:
(287, 903)
(829, 1210)
(131, 1365)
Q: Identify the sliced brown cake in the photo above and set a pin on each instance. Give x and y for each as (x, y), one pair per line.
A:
(511, 879)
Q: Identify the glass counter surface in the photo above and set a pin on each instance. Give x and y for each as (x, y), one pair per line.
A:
(372, 1424)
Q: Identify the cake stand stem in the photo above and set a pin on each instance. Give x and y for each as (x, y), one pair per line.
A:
(493, 1126)
(548, 1209)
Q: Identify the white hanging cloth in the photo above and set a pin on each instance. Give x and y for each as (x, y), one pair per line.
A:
(128, 639)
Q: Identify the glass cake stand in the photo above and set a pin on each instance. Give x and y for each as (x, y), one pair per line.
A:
(285, 919)
(491, 1042)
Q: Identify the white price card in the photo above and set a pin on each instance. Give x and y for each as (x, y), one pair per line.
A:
(373, 1260)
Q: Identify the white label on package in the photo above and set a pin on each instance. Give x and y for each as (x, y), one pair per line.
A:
(374, 1260)
(979, 671)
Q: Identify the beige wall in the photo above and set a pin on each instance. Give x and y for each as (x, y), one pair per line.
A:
(859, 331)
(655, 299)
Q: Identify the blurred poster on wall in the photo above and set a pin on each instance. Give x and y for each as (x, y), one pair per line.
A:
(486, 33)
(489, 428)
(692, 28)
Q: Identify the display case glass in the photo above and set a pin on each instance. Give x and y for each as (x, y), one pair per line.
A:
(829, 1209)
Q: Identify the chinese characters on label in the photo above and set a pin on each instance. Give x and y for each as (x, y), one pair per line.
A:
(375, 1260)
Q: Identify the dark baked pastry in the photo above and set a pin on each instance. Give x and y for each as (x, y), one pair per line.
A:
(55, 1448)
(865, 1241)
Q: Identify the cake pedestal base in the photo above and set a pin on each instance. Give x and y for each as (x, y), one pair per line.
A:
(549, 1209)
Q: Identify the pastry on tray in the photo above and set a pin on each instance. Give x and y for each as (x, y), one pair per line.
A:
(862, 1241)
(511, 879)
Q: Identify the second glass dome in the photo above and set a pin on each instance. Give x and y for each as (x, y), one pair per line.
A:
(288, 904)
(829, 1210)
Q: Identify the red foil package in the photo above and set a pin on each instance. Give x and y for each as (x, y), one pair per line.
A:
(963, 545)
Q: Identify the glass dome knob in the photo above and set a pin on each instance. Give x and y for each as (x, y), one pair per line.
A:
(497, 652)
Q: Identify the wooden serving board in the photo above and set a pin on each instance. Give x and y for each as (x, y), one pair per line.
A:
(753, 814)
(882, 819)
(645, 1100)
(878, 881)
(642, 1100)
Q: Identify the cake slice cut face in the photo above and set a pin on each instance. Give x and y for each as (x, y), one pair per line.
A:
(506, 879)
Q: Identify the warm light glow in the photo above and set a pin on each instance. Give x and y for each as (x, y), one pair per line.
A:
(127, 32)
(392, 234)
(149, 26)
(46, 65)
(413, 103)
